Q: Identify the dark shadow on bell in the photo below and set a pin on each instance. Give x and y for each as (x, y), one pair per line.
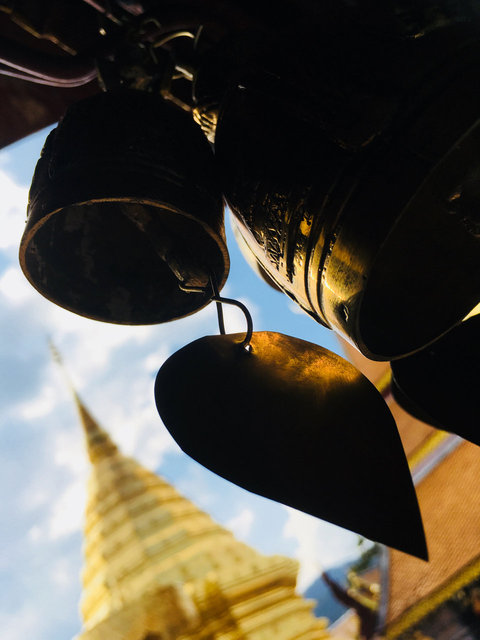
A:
(440, 385)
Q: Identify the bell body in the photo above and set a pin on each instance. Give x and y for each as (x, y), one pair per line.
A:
(439, 385)
(354, 176)
(124, 211)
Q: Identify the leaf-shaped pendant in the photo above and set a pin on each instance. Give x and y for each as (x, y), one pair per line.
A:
(294, 422)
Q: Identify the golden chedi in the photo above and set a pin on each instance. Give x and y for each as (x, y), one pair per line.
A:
(157, 567)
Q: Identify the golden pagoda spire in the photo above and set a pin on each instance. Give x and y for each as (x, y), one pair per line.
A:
(99, 444)
(158, 568)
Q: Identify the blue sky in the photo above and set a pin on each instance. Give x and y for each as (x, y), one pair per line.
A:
(43, 463)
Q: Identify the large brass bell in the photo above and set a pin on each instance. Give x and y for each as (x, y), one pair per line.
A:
(124, 213)
(355, 187)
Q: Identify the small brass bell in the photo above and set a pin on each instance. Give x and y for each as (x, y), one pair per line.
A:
(124, 213)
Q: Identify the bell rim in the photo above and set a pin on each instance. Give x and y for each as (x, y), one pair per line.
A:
(218, 238)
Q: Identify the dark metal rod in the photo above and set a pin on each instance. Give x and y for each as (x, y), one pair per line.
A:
(101, 8)
(65, 72)
(216, 294)
(11, 73)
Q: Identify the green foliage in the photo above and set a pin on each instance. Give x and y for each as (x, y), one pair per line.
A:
(367, 556)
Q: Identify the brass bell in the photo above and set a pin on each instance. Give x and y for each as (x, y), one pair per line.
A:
(439, 385)
(357, 191)
(124, 212)
(250, 258)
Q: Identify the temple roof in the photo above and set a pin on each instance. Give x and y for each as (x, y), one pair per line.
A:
(449, 498)
(445, 470)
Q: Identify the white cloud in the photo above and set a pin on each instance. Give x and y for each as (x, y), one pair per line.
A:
(90, 343)
(35, 533)
(33, 499)
(235, 321)
(155, 359)
(41, 404)
(5, 159)
(139, 431)
(24, 623)
(12, 211)
(296, 308)
(241, 524)
(14, 286)
(196, 486)
(61, 573)
(66, 515)
(66, 508)
(69, 452)
(319, 544)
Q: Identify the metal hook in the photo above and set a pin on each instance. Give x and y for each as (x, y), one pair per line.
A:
(236, 303)
(219, 302)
